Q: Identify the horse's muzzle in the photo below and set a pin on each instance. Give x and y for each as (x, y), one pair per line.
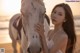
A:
(33, 50)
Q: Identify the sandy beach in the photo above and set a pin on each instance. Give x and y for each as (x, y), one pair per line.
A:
(77, 50)
(8, 8)
(5, 41)
(9, 49)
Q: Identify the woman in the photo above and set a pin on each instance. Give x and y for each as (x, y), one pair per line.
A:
(62, 39)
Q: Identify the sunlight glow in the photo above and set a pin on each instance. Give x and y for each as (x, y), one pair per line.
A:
(11, 6)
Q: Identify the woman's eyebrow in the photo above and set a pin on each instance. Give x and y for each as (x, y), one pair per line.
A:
(60, 12)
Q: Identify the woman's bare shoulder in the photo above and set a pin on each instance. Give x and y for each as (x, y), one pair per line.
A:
(61, 37)
(60, 41)
(64, 35)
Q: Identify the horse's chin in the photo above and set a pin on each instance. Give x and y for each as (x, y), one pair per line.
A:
(30, 50)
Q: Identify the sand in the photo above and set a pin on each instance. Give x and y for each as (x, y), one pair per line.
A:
(77, 50)
(8, 47)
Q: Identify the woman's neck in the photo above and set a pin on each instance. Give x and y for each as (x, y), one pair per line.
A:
(58, 27)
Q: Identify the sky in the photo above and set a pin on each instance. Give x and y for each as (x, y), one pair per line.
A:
(10, 7)
(75, 6)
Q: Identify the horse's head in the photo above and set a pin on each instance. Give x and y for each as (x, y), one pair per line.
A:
(33, 11)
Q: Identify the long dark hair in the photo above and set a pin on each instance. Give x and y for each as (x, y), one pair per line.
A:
(68, 27)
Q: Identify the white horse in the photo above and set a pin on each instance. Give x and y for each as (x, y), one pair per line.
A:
(15, 29)
(32, 11)
(21, 26)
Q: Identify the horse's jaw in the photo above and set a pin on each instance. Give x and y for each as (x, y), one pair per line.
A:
(32, 12)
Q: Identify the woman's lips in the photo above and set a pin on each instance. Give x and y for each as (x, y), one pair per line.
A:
(53, 20)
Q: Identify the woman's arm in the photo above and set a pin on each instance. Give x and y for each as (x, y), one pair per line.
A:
(40, 29)
(59, 42)
(44, 45)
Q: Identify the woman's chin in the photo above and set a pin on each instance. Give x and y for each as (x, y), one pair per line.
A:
(53, 22)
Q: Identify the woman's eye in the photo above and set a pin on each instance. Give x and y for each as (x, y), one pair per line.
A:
(60, 14)
(54, 12)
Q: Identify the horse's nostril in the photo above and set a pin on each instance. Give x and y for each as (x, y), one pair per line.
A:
(36, 36)
(28, 50)
(39, 50)
(33, 36)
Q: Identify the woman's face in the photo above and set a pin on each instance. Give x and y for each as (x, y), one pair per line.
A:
(58, 15)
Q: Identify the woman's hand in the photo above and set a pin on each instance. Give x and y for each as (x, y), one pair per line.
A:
(40, 29)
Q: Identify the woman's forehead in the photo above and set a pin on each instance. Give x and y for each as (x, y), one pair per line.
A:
(59, 9)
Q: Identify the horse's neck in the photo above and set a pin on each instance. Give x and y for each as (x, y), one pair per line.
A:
(33, 10)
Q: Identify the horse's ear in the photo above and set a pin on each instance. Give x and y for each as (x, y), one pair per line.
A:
(40, 2)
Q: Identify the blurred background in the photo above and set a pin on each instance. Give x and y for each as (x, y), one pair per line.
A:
(10, 7)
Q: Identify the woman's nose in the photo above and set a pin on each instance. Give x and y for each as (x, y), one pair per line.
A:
(53, 16)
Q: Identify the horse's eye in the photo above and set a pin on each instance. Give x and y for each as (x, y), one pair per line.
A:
(44, 13)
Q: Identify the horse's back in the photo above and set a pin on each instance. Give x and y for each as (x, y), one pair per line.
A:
(12, 30)
(14, 17)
